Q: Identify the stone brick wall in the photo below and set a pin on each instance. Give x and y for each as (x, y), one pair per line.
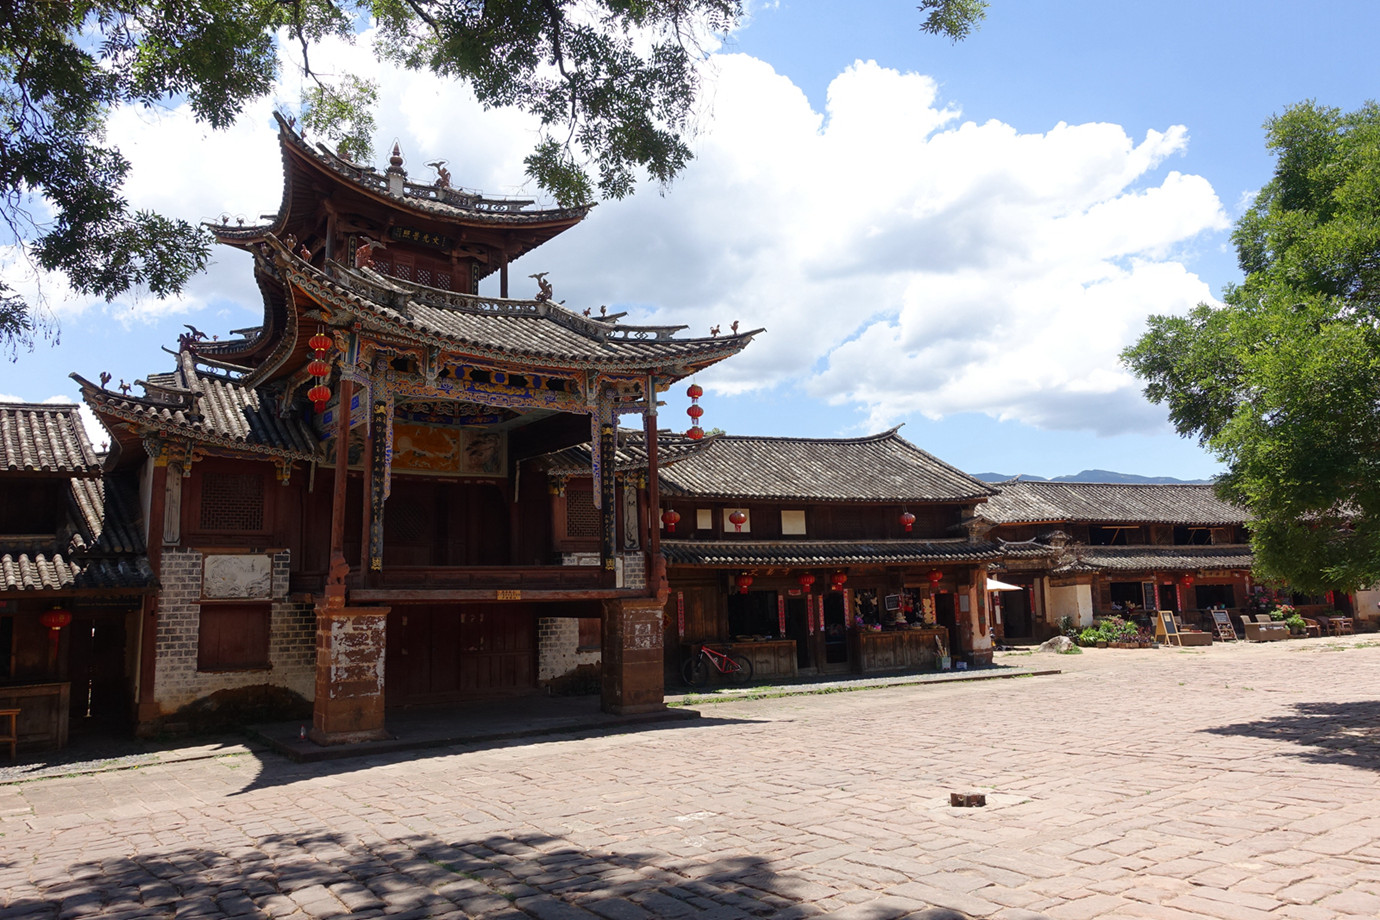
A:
(292, 637)
(561, 663)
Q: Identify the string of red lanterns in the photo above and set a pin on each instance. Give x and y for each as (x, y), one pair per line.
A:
(319, 368)
(694, 391)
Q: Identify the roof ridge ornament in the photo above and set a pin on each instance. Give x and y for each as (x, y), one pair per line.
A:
(397, 176)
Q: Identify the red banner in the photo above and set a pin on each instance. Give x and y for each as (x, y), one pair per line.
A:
(781, 614)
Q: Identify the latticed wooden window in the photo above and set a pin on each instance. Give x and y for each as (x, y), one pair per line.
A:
(232, 501)
(443, 280)
(402, 270)
(424, 276)
(581, 517)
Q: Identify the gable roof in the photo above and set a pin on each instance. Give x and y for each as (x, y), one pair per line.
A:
(48, 438)
(208, 409)
(876, 468)
(1025, 501)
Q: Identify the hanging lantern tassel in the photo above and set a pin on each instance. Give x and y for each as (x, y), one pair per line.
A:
(694, 391)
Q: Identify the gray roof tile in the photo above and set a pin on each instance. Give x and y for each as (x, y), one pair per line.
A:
(1166, 558)
(880, 467)
(1025, 501)
(48, 438)
(826, 552)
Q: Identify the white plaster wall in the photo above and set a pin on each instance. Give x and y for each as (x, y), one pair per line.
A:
(1073, 601)
(558, 651)
(1368, 605)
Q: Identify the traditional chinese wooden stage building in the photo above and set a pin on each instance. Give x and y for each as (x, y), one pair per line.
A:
(342, 503)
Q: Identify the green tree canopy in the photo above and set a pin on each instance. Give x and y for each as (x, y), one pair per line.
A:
(1282, 382)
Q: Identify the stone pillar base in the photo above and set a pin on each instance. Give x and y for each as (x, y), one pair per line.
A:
(350, 643)
(631, 680)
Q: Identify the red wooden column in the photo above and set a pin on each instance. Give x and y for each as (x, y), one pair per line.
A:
(350, 641)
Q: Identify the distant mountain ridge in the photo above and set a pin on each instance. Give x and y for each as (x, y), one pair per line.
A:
(1095, 476)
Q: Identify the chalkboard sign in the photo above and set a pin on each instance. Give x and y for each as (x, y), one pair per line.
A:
(1225, 631)
(892, 602)
(1147, 596)
(1167, 627)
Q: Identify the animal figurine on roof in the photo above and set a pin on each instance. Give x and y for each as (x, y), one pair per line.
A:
(544, 292)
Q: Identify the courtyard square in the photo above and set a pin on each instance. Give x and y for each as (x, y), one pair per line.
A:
(1234, 782)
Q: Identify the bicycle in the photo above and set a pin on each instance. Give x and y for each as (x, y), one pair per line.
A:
(735, 668)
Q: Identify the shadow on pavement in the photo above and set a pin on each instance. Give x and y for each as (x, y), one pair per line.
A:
(277, 771)
(334, 875)
(1336, 733)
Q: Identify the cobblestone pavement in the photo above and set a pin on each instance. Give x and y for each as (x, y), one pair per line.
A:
(1233, 782)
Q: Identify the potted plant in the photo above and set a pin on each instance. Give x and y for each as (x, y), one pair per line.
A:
(1296, 625)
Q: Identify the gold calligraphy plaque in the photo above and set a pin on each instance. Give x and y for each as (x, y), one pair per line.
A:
(509, 594)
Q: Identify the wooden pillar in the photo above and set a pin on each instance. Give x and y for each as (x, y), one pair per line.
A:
(632, 673)
(366, 496)
(503, 275)
(380, 469)
(147, 710)
(608, 505)
(342, 472)
(653, 481)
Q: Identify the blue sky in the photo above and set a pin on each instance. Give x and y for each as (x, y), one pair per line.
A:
(954, 237)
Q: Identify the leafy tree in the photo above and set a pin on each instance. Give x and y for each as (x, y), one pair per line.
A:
(1282, 382)
(613, 83)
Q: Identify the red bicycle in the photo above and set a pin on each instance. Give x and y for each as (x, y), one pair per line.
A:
(735, 668)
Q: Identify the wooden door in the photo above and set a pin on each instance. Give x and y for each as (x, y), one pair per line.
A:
(96, 667)
(442, 653)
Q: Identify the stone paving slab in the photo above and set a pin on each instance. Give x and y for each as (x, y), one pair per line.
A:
(1229, 782)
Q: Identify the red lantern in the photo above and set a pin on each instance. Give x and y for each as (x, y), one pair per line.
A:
(319, 396)
(55, 619)
(1187, 579)
(935, 578)
(320, 343)
(695, 412)
(806, 581)
(694, 391)
(695, 433)
(670, 517)
(907, 520)
(319, 367)
(837, 580)
(744, 582)
(737, 518)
